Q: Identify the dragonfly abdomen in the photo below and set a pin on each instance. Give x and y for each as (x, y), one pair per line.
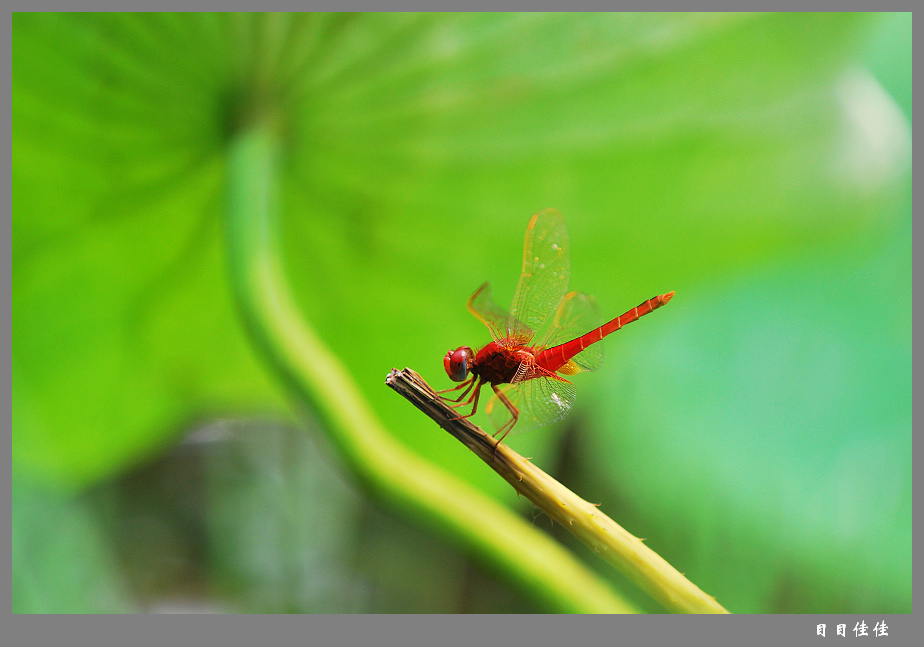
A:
(553, 359)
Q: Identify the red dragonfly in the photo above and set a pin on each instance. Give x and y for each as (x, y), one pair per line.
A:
(538, 341)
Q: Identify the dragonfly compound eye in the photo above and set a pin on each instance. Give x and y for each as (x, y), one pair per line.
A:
(457, 362)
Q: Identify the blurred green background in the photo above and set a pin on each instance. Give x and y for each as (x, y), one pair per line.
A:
(757, 432)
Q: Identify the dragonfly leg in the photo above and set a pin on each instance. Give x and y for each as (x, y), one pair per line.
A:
(472, 400)
(460, 403)
(456, 387)
(467, 385)
(514, 413)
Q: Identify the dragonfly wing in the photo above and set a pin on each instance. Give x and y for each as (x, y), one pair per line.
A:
(496, 318)
(541, 401)
(577, 314)
(546, 272)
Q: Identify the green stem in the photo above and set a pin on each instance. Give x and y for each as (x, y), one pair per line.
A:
(398, 477)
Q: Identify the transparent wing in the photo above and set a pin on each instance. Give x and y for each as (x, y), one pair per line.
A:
(577, 314)
(541, 401)
(497, 319)
(546, 272)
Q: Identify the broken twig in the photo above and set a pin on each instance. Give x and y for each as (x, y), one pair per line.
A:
(583, 519)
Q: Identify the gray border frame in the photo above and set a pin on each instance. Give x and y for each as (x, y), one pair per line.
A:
(464, 631)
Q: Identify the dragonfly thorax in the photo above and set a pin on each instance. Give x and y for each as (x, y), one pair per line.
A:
(498, 363)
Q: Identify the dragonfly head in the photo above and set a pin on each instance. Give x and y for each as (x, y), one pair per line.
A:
(458, 363)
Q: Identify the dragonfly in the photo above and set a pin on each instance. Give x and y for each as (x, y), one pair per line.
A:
(539, 342)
